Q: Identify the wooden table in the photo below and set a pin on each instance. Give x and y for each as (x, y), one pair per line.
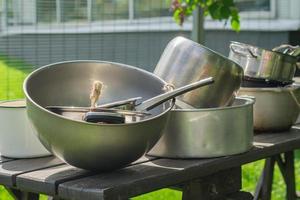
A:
(214, 178)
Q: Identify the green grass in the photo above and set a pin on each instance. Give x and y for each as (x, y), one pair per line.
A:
(12, 74)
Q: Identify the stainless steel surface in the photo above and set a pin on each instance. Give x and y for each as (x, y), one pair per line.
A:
(155, 101)
(87, 145)
(127, 104)
(203, 133)
(17, 138)
(275, 109)
(68, 109)
(288, 49)
(263, 64)
(184, 61)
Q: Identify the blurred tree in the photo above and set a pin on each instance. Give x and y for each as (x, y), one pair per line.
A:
(217, 9)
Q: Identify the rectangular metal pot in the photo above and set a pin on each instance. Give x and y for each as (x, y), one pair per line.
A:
(204, 133)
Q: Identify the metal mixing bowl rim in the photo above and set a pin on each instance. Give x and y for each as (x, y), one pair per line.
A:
(248, 101)
(211, 51)
(5, 101)
(270, 89)
(294, 58)
(83, 122)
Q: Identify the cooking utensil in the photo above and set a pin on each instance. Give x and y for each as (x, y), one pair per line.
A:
(148, 104)
(258, 82)
(98, 146)
(203, 133)
(127, 104)
(104, 117)
(263, 64)
(78, 113)
(275, 109)
(184, 61)
(17, 138)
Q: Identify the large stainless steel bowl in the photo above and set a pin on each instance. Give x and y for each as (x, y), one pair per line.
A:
(86, 145)
(275, 109)
(211, 132)
(184, 61)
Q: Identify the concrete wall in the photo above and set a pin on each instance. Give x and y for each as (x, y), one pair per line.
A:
(141, 49)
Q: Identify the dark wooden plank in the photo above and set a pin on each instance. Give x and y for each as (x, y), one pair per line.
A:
(239, 196)
(267, 174)
(162, 173)
(290, 176)
(46, 180)
(9, 170)
(216, 185)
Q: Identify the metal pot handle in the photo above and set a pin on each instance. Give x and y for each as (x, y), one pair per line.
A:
(232, 47)
(295, 98)
(288, 49)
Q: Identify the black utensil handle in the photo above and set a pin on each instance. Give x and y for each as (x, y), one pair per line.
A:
(99, 117)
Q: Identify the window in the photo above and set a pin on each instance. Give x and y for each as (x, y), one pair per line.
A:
(110, 9)
(253, 5)
(46, 11)
(73, 10)
(256, 8)
(151, 8)
(64, 11)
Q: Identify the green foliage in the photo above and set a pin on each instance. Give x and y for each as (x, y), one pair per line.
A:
(12, 74)
(217, 9)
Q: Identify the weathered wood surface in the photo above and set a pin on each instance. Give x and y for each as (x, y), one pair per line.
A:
(10, 170)
(50, 176)
(162, 173)
(46, 180)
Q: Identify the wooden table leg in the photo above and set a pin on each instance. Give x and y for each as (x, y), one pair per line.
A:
(264, 186)
(213, 187)
(286, 166)
(287, 169)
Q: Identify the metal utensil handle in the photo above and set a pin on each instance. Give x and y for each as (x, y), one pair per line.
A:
(120, 103)
(157, 100)
(232, 47)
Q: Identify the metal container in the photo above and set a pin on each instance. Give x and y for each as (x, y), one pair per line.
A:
(88, 145)
(17, 138)
(275, 109)
(204, 133)
(263, 64)
(184, 61)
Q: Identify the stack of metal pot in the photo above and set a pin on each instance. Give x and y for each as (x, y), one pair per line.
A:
(202, 123)
(268, 76)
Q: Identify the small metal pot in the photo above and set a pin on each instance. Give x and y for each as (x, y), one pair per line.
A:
(263, 64)
(204, 133)
(17, 138)
(275, 109)
(184, 61)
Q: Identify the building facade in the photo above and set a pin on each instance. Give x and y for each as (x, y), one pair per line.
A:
(134, 32)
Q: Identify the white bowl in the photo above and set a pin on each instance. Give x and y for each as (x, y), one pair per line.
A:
(17, 138)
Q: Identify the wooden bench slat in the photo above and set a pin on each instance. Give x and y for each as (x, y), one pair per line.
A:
(46, 180)
(9, 170)
(161, 173)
